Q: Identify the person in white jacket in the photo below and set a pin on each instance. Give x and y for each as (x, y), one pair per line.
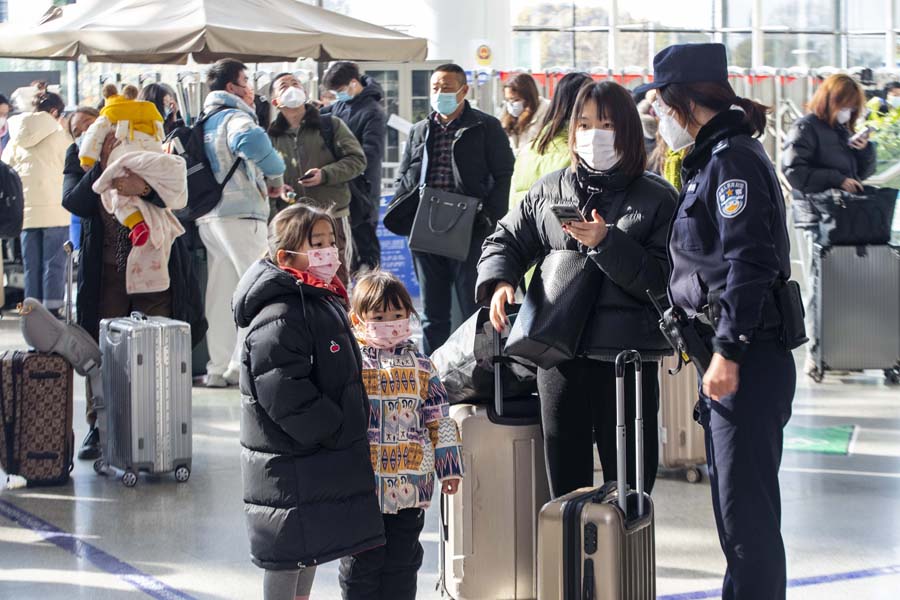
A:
(37, 151)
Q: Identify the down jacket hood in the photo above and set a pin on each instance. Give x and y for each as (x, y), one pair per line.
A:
(262, 284)
(30, 129)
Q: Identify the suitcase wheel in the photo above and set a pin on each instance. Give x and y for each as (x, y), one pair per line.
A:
(129, 479)
(99, 467)
(693, 475)
(182, 474)
(892, 376)
(816, 375)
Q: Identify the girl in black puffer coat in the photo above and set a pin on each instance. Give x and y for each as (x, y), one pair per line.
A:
(309, 488)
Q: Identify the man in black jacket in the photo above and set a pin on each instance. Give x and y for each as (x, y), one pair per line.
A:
(461, 150)
(359, 105)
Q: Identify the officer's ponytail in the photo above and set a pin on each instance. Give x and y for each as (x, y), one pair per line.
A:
(716, 96)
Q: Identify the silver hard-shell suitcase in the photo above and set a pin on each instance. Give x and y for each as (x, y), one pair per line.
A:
(145, 420)
(489, 528)
(856, 312)
(599, 544)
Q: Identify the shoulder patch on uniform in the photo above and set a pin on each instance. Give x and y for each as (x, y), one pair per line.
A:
(731, 197)
(723, 145)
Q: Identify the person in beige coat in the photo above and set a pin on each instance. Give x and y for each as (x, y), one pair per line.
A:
(37, 151)
(523, 112)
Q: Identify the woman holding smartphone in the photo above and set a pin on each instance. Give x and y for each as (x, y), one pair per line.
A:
(608, 207)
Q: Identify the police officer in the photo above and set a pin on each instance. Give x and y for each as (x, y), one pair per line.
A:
(729, 250)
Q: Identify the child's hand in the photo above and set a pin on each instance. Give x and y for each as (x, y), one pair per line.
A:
(450, 487)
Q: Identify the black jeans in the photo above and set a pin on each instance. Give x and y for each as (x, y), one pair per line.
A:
(388, 572)
(744, 442)
(439, 277)
(578, 407)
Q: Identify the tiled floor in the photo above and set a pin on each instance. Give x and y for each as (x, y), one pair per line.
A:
(167, 540)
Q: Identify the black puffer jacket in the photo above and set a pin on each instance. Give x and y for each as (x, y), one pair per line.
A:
(482, 167)
(817, 157)
(365, 116)
(632, 256)
(80, 199)
(309, 488)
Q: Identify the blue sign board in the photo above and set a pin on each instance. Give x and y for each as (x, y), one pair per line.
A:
(395, 256)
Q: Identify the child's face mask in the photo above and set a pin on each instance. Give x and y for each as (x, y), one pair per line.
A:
(323, 262)
(387, 334)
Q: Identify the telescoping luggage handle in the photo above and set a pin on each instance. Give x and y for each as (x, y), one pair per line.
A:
(69, 248)
(622, 360)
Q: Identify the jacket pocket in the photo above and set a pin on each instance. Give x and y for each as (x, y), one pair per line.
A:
(686, 231)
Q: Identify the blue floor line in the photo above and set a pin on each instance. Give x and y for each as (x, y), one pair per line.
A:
(102, 560)
(156, 589)
(800, 582)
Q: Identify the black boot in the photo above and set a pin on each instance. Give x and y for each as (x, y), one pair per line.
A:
(90, 447)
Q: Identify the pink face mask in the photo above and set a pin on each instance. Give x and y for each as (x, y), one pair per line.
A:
(387, 335)
(323, 262)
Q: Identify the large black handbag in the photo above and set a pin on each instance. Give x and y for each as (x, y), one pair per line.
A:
(557, 308)
(444, 224)
(846, 219)
(466, 364)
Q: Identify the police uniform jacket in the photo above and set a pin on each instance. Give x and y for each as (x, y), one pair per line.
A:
(729, 234)
(632, 256)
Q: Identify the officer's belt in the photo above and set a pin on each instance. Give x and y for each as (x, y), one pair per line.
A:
(771, 320)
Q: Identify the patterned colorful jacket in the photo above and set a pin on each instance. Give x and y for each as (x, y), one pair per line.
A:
(411, 435)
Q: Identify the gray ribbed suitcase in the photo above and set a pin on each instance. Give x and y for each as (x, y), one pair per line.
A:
(599, 544)
(489, 529)
(145, 424)
(681, 439)
(856, 313)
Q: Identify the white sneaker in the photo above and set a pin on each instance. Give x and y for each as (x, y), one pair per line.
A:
(232, 376)
(216, 381)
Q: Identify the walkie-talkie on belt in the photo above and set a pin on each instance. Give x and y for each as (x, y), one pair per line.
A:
(682, 334)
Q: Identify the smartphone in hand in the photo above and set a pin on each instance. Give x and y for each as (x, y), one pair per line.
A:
(860, 135)
(566, 213)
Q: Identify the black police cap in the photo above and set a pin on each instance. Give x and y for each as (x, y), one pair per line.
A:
(688, 63)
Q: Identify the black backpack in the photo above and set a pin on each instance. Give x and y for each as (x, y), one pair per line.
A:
(204, 192)
(12, 202)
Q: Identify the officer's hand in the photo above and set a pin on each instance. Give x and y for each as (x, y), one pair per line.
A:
(504, 294)
(721, 378)
(852, 186)
(450, 487)
(589, 233)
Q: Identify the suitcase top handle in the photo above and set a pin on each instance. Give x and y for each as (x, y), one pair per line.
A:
(138, 316)
(622, 360)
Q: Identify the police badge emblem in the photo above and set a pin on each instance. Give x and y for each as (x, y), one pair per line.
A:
(731, 197)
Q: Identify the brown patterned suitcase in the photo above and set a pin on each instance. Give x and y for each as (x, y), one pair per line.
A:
(36, 438)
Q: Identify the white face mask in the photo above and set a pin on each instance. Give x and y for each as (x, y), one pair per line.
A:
(597, 148)
(894, 101)
(515, 108)
(2, 122)
(676, 136)
(293, 97)
(843, 115)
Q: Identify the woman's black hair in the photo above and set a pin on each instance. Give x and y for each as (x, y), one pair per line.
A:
(47, 101)
(560, 113)
(156, 93)
(4, 99)
(716, 96)
(614, 103)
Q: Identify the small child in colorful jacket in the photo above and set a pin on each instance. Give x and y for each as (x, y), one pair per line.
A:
(412, 439)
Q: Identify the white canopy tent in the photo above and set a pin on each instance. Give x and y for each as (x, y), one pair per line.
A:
(170, 31)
